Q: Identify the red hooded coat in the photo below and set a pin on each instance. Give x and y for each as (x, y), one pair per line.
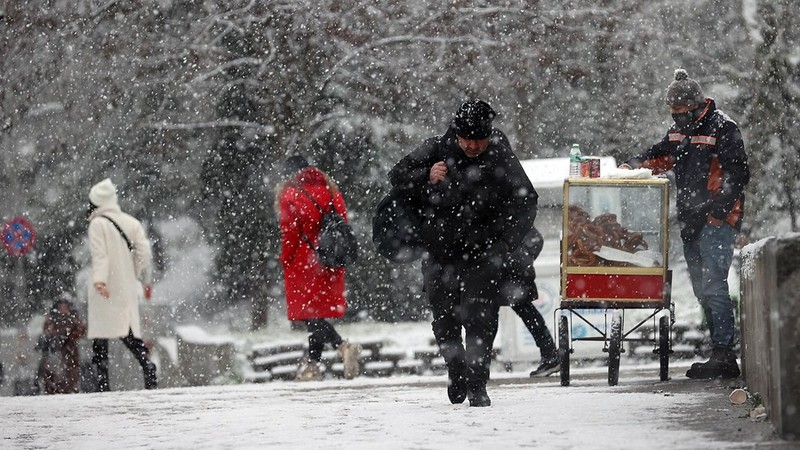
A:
(313, 291)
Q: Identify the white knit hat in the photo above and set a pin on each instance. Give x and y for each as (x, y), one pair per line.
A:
(103, 193)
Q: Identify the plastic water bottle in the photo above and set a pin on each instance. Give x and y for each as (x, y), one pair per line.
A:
(575, 161)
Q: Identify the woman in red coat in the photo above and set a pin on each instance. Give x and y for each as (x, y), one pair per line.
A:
(313, 292)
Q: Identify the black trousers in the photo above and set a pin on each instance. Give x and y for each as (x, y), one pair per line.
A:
(518, 290)
(534, 322)
(463, 295)
(320, 332)
(137, 348)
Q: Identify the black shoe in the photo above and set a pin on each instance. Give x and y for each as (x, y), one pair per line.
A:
(456, 386)
(547, 366)
(477, 395)
(150, 379)
(722, 364)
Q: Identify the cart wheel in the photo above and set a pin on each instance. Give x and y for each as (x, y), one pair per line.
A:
(663, 348)
(563, 349)
(614, 349)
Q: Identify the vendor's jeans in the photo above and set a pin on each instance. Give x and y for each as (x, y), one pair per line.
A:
(709, 259)
(463, 294)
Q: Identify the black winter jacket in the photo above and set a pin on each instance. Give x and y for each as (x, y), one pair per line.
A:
(484, 206)
(710, 167)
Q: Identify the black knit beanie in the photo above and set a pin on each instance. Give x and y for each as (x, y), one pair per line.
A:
(684, 90)
(473, 120)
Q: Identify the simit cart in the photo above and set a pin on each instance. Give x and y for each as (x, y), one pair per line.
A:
(614, 249)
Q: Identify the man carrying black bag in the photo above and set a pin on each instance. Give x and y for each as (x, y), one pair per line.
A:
(476, 204)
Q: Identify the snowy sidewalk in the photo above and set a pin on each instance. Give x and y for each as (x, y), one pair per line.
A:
(400, 412)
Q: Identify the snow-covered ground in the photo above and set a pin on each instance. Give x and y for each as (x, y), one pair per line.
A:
(402, 412)
(396, 412)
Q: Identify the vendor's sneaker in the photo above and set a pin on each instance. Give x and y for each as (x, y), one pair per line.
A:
(350, 354)
(547, 367)
(308, 371)
(721, 364)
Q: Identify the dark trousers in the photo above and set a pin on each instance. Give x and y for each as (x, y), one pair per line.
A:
(320, 332)
(136, 346)
(534, 322)
(518, 290)
(463, 295)
(708, 259)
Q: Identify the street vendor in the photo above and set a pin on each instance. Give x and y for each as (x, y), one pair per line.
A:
(705, 151)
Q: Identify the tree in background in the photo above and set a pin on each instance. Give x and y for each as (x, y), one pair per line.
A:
(234, 175)
(190, 106)
(35, 153)
(774, 108)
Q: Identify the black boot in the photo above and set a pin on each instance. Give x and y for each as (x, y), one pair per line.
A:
(721, 364)
(477, 395)
(102, 377)
(150, 379)
(457, 384)
(100, 361)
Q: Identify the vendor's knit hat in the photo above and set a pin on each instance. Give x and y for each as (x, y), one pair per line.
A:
(473, 120)
(103, 193)
(684, 90)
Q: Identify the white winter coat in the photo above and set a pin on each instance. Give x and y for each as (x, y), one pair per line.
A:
(121, 270)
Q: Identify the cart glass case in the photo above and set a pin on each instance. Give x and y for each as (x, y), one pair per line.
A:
(615, 243)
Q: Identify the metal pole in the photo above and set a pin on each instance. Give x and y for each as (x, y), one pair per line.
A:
(19, 302)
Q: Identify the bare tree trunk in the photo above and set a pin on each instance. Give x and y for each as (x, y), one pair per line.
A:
(260, 312)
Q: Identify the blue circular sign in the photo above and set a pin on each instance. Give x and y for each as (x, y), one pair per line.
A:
(18, 236)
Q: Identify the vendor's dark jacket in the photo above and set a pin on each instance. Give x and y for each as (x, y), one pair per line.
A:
(710, 167)
(484, 206)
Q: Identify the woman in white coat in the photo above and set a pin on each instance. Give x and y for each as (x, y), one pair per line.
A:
(121, 266)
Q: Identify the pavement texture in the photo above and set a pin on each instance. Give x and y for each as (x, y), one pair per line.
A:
(726, 424)
(398, 412)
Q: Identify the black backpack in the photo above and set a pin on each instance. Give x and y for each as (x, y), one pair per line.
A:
(396, 229)
(336, 245)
